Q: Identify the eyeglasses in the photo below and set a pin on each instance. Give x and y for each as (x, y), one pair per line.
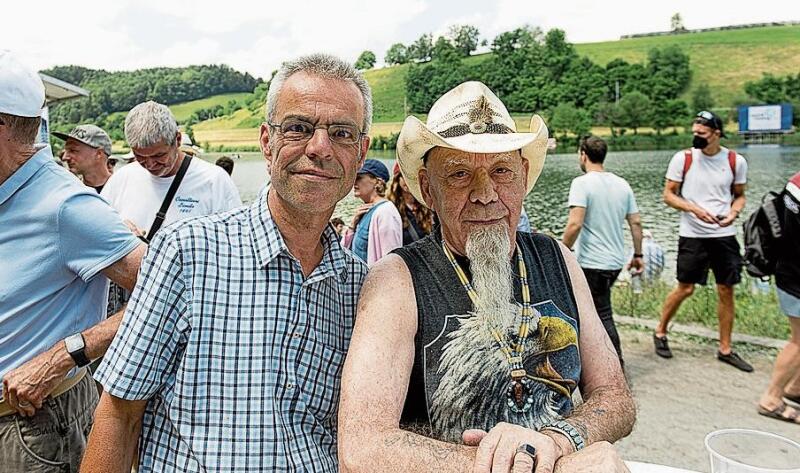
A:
(299, 131)
(705, 115)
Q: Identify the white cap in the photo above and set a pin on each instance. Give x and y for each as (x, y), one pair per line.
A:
(21, 88)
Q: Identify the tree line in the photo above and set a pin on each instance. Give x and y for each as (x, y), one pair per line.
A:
(120, 91)
(534, 71)
(771, 89)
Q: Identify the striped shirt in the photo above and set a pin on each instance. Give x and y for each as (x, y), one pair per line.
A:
(239, 354)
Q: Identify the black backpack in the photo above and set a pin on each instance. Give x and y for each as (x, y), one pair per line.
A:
(762, 233)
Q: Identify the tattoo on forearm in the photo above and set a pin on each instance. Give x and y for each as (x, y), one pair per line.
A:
(608, 415)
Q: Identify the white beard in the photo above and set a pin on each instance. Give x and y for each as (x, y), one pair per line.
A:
(474, 372)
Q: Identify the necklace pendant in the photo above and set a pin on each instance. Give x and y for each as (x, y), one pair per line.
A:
(518, 395)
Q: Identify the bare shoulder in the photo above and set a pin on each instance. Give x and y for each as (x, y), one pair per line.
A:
(569, 258)
(388, 292)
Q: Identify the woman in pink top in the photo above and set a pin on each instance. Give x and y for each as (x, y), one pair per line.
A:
(377, 227)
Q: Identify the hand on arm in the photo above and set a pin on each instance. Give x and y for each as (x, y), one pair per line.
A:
(114, 436)
(608, 413)
(574, 225)
(31, 382)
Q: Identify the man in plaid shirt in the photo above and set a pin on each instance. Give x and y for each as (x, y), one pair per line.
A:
(231, 350)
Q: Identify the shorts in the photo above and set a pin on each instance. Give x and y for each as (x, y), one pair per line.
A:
(790, 305)
(697, 255)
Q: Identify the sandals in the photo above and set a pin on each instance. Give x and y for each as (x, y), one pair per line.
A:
(780, 413)
(792, 399)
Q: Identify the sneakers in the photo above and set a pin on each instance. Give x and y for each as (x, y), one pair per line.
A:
(662, 346)
(735, 360)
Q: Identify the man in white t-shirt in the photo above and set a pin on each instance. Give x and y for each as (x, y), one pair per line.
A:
(707, 184)
(138, 189)
(599, 202)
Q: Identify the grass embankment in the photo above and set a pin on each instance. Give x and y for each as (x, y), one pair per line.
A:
(757, 310)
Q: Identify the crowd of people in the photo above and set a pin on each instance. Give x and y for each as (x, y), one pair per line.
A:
(435, 332)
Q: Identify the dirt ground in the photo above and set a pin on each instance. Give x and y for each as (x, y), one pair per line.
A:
(682, 399)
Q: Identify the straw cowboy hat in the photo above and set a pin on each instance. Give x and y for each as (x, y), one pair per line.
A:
(469, 118)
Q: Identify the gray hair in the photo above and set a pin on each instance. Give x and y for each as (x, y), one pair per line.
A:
(323, 65)
(149, 124)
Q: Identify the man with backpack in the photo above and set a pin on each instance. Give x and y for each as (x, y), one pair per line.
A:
(706, 183)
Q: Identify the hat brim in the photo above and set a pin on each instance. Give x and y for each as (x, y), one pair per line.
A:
(416, 140)
(65, 137)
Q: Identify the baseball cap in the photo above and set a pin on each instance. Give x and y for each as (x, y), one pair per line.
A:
(376, 168)
(89, 135)
(709, 119)
(21, 88)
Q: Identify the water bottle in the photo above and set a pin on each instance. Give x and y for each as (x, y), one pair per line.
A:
(636, 282)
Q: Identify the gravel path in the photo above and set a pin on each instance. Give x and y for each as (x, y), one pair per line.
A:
(683, 399)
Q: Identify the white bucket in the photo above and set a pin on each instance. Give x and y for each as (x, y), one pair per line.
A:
(752, 451)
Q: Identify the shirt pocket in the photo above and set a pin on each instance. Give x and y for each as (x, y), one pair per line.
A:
(318, 376)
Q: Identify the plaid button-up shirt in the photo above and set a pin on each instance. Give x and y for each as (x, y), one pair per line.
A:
(239, 354)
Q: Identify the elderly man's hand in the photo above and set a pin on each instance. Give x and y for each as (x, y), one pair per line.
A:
(26, 386)
(497, 450)
(600, 456)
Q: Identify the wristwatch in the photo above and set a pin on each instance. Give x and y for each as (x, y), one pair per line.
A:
(76, 347)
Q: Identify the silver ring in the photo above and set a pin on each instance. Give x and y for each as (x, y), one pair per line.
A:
(527, 449)
(24, 403)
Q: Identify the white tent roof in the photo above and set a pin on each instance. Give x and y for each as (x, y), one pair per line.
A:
(56, 90)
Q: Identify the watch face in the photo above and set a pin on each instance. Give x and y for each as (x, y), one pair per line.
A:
(74, 343)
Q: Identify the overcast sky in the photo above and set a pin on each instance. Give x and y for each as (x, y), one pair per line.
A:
(257, 35)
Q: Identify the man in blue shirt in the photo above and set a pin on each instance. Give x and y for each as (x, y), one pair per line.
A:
(56, 239)
(599, 201)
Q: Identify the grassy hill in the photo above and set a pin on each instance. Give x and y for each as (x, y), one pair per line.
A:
(724, 60)
(182, 111)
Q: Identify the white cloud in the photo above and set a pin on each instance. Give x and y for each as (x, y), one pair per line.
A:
(102, 34)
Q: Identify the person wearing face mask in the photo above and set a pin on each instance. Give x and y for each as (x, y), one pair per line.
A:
(706, 183)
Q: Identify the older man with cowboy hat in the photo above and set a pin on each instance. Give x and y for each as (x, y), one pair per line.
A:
(478, 339)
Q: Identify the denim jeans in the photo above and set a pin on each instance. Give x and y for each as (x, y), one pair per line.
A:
(54, 439)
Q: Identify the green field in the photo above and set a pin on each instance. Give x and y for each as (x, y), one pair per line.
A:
(182, 111)
(724, 60)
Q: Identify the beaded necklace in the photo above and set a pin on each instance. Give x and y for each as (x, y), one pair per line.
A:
(518, 394)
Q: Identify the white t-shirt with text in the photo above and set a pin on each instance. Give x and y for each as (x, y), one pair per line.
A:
(137, 195)
(708, 184)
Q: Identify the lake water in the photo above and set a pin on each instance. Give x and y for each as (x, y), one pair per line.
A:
(769, 169)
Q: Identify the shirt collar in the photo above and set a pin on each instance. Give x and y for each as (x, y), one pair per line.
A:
(25, 172)
(268, 241)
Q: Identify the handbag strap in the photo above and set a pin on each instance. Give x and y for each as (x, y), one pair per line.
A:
(173, 188)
